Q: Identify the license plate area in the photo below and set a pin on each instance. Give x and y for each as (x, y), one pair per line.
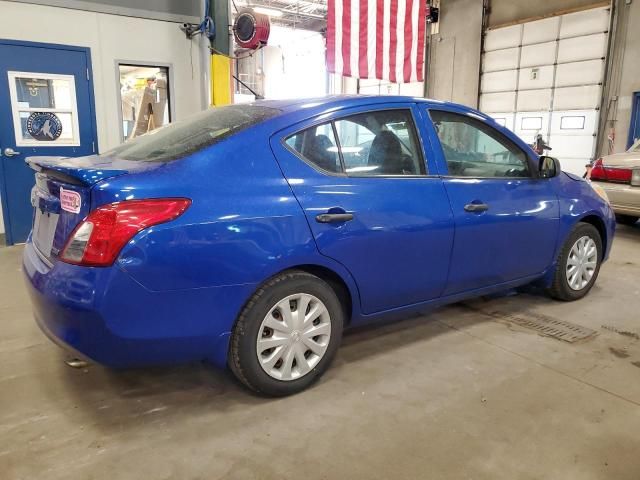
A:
(52, 223)
(44, 231)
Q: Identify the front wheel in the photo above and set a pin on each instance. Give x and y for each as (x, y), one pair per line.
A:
(287, 334)
(578, 264)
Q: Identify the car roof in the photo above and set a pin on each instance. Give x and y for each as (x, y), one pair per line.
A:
(296, 110)
(342, 101)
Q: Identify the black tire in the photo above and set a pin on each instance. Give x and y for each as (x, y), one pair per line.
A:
(243, 351)
(560, 289)
(626, 219)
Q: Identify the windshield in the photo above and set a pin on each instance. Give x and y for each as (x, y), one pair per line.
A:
(181, 138)
(635, 147)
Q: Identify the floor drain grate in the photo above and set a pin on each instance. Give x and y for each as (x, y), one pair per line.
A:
(549, 326)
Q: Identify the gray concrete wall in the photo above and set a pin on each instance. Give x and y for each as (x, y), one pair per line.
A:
(454, 53)
(509, 11)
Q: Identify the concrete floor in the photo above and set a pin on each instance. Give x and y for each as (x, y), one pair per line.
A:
(452, 395)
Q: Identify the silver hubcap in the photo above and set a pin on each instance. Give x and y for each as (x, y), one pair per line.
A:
(293, 337)
(582, 262)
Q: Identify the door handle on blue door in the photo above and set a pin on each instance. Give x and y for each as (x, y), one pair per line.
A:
(334, 217)
(476, 207)
(10, 152)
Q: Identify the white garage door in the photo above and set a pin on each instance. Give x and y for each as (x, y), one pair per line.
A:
(546, 77)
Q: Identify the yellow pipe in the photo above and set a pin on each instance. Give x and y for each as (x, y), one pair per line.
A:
(220, 80)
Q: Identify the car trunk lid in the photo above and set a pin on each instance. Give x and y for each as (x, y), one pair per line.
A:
(61, 196)
(622, 160)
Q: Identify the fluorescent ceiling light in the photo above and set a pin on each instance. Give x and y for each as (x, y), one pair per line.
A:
(268, 11)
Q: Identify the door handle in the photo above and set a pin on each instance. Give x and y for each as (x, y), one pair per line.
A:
(10, 152)
(476, 207)
(334, 217)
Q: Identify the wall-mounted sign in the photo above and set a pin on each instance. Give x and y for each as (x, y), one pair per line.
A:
(44, 126)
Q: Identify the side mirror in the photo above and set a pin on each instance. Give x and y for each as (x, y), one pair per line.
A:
(549, 167)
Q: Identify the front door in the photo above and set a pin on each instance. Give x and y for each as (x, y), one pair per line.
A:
(506, 218)
(361, 178)
(46, 108)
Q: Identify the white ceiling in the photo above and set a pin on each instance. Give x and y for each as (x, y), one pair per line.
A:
(303, 14)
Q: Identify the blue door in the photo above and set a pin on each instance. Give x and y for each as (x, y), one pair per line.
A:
(506, 218)
(46, 108)
(634, 127)
(360, 176)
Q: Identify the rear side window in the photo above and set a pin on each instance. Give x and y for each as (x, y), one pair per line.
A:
(317, 145)
(379, 143)
(179, 139)
(474, 149)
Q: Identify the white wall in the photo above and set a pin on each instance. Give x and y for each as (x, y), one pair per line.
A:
(111, 38)
(382, 87)
(294, 64)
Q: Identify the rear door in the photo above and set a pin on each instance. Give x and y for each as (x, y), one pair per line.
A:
(361, 177)
(45, 109)
(506, 217)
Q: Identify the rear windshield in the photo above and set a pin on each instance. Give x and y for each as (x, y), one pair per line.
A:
(181, 138)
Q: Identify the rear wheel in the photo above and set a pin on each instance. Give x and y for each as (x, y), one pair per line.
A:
(626, 219)
(287, 335)
(578, 263)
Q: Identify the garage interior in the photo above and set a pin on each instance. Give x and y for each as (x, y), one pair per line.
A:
(512, 386)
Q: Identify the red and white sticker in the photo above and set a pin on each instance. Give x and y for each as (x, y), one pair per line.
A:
(70, 201)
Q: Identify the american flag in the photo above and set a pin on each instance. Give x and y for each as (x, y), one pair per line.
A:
(381, 39)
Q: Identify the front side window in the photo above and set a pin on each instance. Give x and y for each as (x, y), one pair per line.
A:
(473, 149)
(377, 143)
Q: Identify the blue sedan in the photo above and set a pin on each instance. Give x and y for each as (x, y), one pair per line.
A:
(253, 235)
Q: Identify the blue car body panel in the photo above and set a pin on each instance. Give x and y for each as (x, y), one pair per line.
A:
(390, 230)
(515, 238)
(176, 289)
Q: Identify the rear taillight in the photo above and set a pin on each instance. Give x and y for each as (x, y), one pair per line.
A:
(597, 171)
(610, 174)
(98, 239)
(622, 175)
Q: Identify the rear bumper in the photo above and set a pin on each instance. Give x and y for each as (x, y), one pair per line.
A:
(625, 199)
(103, 315)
